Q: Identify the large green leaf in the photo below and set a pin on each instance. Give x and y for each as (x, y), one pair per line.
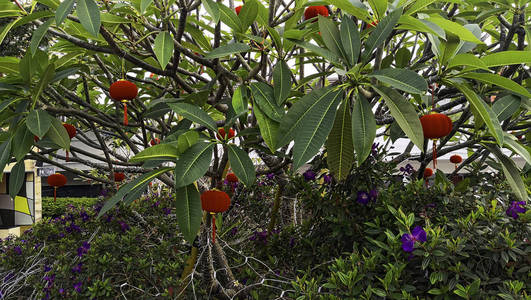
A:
(38, 122)
(228, 49)
(46, 78)
(402, 79)
(500, 81)
(239, 100)
(455, 28)
(23, 141)
(193, 164)
(328, 55)
(404, 113)
(485, 112)
(511, 171)
(282, 82)
(158, 152)
(188, 211)
(63, 10)
(268, 128)
(248, 14)
(241, 164)
(379, 7)
(363, 128)
(331, 36)
(512, 143)
(212, 9)
(264, 97)
(418, 5)
(187, 140)
(195, 114)
(351, 9)
(467, 59)
(413, 24)
(7, 28)
(6, 103)
(505, 107)
(16, 178)
(38, 34)
(505, 58)
(144, 4)
(57, 133)
(163, 48)
(380, 33)
(89, 16)
(229, 17)
(5, 155)
(350, 38)
(340, 148)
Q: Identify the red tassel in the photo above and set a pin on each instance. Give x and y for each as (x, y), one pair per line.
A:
(126, 121)
(213, 228)
(434, 154)
(67, 156)
(54, 193)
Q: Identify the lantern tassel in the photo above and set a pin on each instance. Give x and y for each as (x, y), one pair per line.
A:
(67, 156)
(126, 121)
(54, 193)
(434, 154)
(213, 228)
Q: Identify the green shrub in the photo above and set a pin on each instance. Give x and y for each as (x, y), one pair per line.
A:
(52, 209)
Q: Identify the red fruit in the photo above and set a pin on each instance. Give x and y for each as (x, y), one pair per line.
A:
(70, 129)
(123, 90)
(372, 24)
(436, 125)
(428, 172)
(238, 9)
(56, 180)
(155, 141)
(215, 201)
(456, 159)
(119, 176)
(222, 133)
(36, 138)
(231, 177)
(314, 11)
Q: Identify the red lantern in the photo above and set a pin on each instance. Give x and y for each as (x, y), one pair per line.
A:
(214, 201)
(238, 9)
(71, 130)
(435, 126)
(155, 141)
(231, 177)
(123, 91)
(222, 133)
(456, 159)
(119, 176)
(314, 11)
(56, 180)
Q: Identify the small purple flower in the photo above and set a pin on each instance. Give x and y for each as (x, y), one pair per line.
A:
(17, 250)
(515, 208)
(73, 228)
(123, 226)
(47, 268)
(84, 216)
(61, 291)
(409, 239)
(77, 286)
(309, 175)
(374, 149)
(167, 210)
(104, 192)
(233, 231)
(373, 195)
(291, 242)
(327, 178)
(61, 235)
(156, 204)
(363, 197)
(407, 170)
(270, 176)
(85, 247)
(77, 268)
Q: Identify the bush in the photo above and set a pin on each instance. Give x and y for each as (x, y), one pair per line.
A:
(57, 208)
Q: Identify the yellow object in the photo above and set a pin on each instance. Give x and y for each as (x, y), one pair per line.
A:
(21, 205)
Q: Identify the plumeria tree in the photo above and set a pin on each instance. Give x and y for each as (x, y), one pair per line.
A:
(290, 84)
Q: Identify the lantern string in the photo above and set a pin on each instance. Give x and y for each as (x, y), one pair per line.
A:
(54, 193)
(434, 154)
(432, 98)
(213, 227)
(126, 120)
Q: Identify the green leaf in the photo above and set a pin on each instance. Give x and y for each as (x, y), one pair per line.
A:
(193, 164)
(188, 211)
(498, 80)
(242, 165)
(5, 155)
(268, 128)
(328, 55)
(89, 16)
(506, 58)
(378, 36)
(57, 133)
(316, 124)
(113, 19)
(418, 5)
(363, 128)
(158, 152)
(402, 79)
(350, 38)
(512, 173)
(195, 114)
(379, 7)
(46, 78)
(448, 48)
(248, 14)
(485, 112)
(351, 9)
(264, 97)
(6, 29)
(340, 147)
(144, 4)
(511, 143)
(282, 82)
(331, 36)
(38, 122)
(6, 103)
(212, 9)
(455, 28)
(163, 48)
(467, 59)
(239, 100)
(38, 34)
(228, 49)
(63, 10)
(404, 113)
(23, 141)
(402, 57)
(187, 140)
(505, 107)
(229, 17)
(16, 178)
(414, 24)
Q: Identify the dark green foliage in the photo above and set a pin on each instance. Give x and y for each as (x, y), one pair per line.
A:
(52, 209)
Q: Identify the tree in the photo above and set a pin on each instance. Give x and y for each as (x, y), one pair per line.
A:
(329, 81)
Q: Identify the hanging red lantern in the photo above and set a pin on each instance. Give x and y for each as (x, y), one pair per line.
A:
(314, 11)
(428, 172)
(56, 180)
(155, 141)
(456, 159)
(238, 9)
(231, 177)
(435, 126)
(71, 130)
(214, 201)
(119, 176)
(222, 133)
(123, 91)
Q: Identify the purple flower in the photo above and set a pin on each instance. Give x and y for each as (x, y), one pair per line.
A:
(363, 197)
(374, 149)
(123, 226)
(291, 242)
(167, 210)
(47, 268)
(73, 228)
(17, 250)
(61, 291)
(515, 208)
(77, 268)
(156, 204)
(84, 216)
(37, 246)
(309, 175)
(373, 194)
(85, 247)
(409, 239)
(327, 178)
(407, 170)
(233, 231)
(270, 176)
(77, 286)
(104, 192)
